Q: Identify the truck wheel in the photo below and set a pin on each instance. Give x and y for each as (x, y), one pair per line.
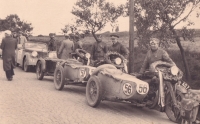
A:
(26, 67)
(59, 78)
(94, 91)
(39, 72)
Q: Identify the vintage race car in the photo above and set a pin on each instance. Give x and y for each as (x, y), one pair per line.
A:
(109, 83)
(46, 65)
(27, 54)
(72, 71)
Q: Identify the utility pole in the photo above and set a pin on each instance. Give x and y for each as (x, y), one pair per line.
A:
(131, 36)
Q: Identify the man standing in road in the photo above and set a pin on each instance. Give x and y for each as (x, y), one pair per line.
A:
(99, 49)
(8, 46)
(67, 47)
(51, 43)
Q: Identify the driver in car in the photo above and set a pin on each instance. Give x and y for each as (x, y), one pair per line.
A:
(155, 54)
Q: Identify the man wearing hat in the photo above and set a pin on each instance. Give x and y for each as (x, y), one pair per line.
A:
(117, 46)
(67, 47)
(155, 54)
(8, 46)
(21, 39)
(99, 49)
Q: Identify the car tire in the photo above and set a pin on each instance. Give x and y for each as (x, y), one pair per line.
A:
(94, 91)
(26, 67)
(39, 72)
(59, 78)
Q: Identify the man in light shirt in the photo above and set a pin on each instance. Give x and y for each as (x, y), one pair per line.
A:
(21, 39)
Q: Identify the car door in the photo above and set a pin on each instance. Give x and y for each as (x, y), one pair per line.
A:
(19, 54)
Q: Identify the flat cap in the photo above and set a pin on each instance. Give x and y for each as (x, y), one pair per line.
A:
(114, 35)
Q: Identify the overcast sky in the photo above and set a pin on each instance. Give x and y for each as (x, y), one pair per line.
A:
(51, 15)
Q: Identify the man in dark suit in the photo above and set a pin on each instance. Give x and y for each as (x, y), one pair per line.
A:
(117, 46)
(8, 46)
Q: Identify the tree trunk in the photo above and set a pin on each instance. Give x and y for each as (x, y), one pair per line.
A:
(94, 35)
(178, 41)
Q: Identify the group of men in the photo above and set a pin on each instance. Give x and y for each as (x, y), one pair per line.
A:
(67, 46)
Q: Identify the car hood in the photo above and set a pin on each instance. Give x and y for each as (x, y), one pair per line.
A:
(37, 50)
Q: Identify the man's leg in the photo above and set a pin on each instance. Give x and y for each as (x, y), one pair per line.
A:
(8, 75)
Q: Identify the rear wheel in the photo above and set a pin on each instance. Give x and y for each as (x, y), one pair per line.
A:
(39, 72)
(26, 67)
(94, 91)
(59, 78)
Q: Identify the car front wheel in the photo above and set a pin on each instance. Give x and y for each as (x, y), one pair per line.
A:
(94, 91)
(59, 78)
(39, 72)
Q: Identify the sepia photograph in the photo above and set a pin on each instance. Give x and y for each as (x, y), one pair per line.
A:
(100, 61)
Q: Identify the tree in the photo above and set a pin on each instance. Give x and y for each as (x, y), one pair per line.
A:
(13, 23)
(95, 14)
(159, 18)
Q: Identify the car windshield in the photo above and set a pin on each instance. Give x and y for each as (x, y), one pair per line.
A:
(36, 46)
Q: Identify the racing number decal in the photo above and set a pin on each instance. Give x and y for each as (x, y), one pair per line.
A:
(82, 73)
(142, 89)
(127, 89)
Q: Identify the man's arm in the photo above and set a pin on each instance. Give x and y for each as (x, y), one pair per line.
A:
(144, 65)
(125, 51)
(92, 51)
(61, 48)
(105, 48)
(166, 58)
(2, 44)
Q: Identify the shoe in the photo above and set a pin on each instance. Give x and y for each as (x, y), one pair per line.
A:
(10, 79)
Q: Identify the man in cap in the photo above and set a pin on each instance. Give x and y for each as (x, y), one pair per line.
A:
(21, 39)
(8, 46)
(117, 46)
(99, 49)
(51, 43)
(66, 48)
(155, 54)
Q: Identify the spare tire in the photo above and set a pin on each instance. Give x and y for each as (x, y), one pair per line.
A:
(108, 61)
(79, 51)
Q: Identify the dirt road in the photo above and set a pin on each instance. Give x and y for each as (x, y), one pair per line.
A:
(26, 100)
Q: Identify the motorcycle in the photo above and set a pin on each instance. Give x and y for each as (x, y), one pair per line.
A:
(175, 97)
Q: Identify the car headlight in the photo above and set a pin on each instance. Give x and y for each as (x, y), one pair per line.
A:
(34, 54)
(174, 70)
(118, 61)
(87, 55)
(52, 55)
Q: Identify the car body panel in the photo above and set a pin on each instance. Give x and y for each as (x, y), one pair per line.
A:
(77, 72)
(25, 52)
(122, 86)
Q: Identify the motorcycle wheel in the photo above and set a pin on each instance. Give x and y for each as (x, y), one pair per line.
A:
(172, 112)
(155, 101)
